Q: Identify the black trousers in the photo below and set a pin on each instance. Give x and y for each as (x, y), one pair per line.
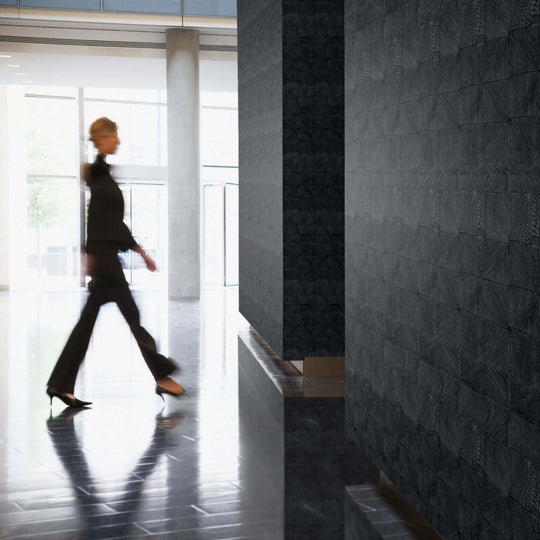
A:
(108, 285)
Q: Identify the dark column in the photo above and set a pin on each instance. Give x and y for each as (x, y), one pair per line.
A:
(291, 174)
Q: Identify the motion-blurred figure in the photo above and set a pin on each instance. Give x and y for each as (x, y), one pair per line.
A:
(107, 235)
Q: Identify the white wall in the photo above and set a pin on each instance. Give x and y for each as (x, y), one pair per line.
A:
(4, 190)
(12, 186)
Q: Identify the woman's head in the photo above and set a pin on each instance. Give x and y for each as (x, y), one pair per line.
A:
(104, 135)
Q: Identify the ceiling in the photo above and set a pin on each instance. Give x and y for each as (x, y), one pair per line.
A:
(114, 54)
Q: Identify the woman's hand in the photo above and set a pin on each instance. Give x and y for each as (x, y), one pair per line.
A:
(150, 264)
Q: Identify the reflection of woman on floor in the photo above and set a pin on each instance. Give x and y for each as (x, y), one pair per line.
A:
(68, 447)
(107, 235)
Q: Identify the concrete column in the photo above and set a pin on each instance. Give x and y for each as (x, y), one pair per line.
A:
(183, 163)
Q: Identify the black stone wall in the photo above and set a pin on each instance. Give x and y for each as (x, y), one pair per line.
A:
(260, 82)
(291, 105)
(313, 178)
(442, 256)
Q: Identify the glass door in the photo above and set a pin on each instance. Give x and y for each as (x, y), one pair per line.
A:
(231, 234)
(213, 235)
(220, 234)
(146, 215)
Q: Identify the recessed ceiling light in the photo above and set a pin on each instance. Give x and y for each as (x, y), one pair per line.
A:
(5, 55)
(21, 73)
(28, 82)
(14, 65)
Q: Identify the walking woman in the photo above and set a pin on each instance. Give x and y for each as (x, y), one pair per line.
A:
(107, 235)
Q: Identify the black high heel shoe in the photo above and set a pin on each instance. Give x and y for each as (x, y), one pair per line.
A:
(70, 402)
(160, 391)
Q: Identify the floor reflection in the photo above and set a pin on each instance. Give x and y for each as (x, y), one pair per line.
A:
(117, 469)
(68, 446)
(197, 469)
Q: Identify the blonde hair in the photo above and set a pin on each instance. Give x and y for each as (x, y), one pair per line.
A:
(102, 126)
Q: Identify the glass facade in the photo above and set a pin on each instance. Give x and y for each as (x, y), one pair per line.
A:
(55, 212)
(84, 5)
(52, 136)
(200, 8)
(52, 190)
(142, 129)
(52, 231)
(165, 7)
(210, 8)
(219, 177)
(219, 136)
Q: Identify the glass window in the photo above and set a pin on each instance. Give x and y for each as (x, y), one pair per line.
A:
(210, 8)
(231, 234)
(213, 235)
(56, 91)
(143, 6)
(163, 146)
(211, 175)
(171, 7)
(149, 227)
(8, 2)
(92, 5)
(53, 253)
(146, 216)
(52, 138)
(219, 136)
(140, 128)
(124, 94)
(219, 99)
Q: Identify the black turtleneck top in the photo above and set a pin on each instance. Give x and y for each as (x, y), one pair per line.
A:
(106, 233)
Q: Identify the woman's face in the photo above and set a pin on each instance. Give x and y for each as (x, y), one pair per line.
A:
(107, 144)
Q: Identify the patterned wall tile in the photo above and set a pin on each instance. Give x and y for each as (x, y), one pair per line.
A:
(260, 170)
(442, 261)
(292, 203)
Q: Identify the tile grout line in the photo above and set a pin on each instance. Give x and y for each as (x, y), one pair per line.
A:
(143, 529)
(195, 507)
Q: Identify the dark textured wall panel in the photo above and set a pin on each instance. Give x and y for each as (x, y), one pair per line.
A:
(261, 166)
(313, 178)
(442, 220)
(291, 107)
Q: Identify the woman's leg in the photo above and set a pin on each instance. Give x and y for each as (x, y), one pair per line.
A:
(160, 366)
(65, 371)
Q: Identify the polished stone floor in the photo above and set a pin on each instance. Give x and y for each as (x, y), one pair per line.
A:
(130, 465)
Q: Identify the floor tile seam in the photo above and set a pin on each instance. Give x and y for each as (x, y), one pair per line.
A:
(22, 496)
(30, 513)
(207, 515)
(175, 508)
(134, 481)
(212, 527)
(148, 499)
(130, 483)
(142, 529)
(12, 475)
(33, 535)
(157, 482)
(70, 518)
(160, 509)
(224, 502)
(199, 509)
